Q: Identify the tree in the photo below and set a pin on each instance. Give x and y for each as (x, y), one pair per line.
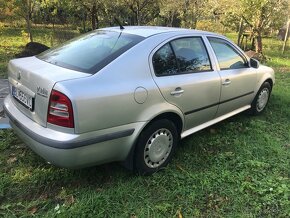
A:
(261, 14)
(93, 7)
(170, 12)
(25, 10)
(143, 10)
(184, 13)
(192, 11)
(258, 16)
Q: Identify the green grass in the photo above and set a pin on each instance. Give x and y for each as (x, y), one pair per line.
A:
(237, 168)
(13, 41)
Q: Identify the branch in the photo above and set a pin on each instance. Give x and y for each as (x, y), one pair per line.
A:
(251, 25)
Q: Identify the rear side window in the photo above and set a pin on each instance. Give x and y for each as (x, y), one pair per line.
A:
(184, 55)
(164, 61)
(228, 57)
(91, 52)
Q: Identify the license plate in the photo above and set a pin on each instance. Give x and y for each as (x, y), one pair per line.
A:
(22, 97)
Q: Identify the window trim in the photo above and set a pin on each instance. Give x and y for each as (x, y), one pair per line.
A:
(179, 71)
(234, 47)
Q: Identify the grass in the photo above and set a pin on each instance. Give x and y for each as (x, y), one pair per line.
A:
(13, 41)
(237, 168)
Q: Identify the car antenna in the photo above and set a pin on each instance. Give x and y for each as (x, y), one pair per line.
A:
(121, 27)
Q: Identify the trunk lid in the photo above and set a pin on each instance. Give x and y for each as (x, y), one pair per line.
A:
(31, 81)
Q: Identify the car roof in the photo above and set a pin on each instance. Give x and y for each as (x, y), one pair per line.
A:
(147, 31)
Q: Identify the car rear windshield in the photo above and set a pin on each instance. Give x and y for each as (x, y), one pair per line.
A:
(90, 52)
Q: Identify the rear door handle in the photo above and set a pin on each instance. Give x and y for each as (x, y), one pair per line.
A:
(177, 91)
(226, 82)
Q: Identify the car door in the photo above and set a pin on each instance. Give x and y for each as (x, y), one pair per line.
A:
(185, 76)
(238, 79)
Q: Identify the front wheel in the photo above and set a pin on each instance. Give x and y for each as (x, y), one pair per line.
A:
(261, 100)
(155, 146)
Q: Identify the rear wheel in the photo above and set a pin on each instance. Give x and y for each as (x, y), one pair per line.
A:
(261, 100)
(155, 146)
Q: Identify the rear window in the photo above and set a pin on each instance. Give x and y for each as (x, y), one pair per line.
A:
(90, 52)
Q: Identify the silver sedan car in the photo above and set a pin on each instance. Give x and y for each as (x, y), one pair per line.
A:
(129, 95)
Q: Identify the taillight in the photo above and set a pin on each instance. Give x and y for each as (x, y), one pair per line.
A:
(60, 111)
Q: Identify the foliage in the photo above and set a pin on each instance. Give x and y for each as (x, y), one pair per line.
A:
(185, 13)
(24, 10)
(237, 168)
(259, 16)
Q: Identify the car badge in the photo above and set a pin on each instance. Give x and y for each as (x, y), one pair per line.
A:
(42, 92)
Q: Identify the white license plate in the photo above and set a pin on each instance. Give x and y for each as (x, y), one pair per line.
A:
(22, 97)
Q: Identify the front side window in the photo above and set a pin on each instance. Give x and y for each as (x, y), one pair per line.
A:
(185, 55)
(227, 56)
(90, 52)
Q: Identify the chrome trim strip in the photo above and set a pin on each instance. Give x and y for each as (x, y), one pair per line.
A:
(68, 144)
(211, 122)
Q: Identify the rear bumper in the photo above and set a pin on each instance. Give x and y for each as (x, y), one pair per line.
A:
(73, 150)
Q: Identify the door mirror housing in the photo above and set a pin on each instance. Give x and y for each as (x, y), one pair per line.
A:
(254, 63)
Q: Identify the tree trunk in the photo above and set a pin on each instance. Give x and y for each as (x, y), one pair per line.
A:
(97, 20)
(259, 43)
(28, 20)
(93, 15)
(84, 18)
(54, 36)
(194, 22)
(286, 37)
(172, 15)
(28, 23)
(195, 15)
(138, 17)
(240, 32)
(253, 40)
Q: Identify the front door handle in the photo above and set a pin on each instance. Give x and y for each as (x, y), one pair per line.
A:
(177, 91)
(226, 82)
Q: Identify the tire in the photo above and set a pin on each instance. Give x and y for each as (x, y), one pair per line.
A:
(155, 147)
(262, 98)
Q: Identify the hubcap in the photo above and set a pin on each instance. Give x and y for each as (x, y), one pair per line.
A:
(158, 147)
(262, 99)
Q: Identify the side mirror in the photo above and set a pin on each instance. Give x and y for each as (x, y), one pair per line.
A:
(254, 63)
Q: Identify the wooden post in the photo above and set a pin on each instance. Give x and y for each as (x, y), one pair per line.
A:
(286, 37)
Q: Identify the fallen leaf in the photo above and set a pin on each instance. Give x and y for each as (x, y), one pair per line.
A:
(99, 189)
(12, 160)
(180, 167)
(43, 196)
(32, 210)
(212, 131)
(133, 216)
(69, 200)
(229, 154)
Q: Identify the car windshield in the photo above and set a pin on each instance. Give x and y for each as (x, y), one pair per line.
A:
(90, 52)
